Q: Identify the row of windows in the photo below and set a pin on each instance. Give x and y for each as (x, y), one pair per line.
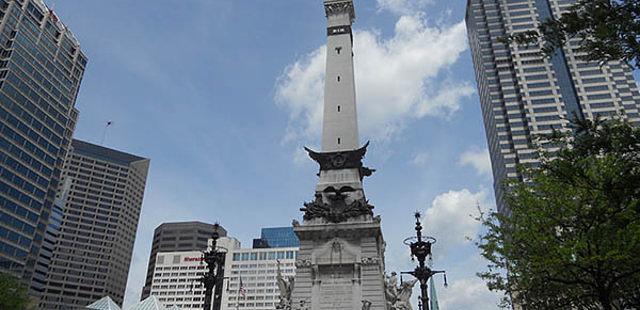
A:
(22, 127)
(178, 299)
(20, 211)
(9, 162)
(18, 196)
(250, 305)
(14, 237)
(20, 140)
(179, 268)
(21, 99)
(48, 104)
(264, 255)
(36, 51)
(43, 75)
(11, 250)
(34, 122)
(39, 84)
(17, 181)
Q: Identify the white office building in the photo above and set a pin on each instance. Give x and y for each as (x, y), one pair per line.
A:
(175, 279)
(256, 270)
(249, 278)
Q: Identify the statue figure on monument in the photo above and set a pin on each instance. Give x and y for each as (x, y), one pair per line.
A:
(404, 295)
(286, 288)
(391, 285)
(398, 298)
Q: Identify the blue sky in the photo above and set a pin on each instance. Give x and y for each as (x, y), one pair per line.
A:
(223, 94)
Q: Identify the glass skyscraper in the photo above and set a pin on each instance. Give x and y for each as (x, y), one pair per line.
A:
(41, 66)
(523, 94)
(277, 237)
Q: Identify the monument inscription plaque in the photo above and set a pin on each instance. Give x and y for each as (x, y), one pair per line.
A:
(336, 287)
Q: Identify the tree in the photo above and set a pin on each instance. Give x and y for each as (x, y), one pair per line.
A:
(572, 238)
(606, 30)
(13, 293)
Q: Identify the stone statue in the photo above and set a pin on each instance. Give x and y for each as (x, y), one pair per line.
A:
(286, 288)
(398, 298)
(391, 286)
(404, 295)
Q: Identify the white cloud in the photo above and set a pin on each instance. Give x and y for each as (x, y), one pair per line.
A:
(468, 293)
(403, 6)
(478, 159)
(451, 219)
(397, 79)
(421, 159)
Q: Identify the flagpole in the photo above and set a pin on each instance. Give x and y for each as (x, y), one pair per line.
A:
(239, 289)
(104, 132)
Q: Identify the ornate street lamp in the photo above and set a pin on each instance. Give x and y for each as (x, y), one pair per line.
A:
(421, 249)
(214, 258)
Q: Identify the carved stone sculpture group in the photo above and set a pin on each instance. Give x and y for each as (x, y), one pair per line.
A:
(398, 296)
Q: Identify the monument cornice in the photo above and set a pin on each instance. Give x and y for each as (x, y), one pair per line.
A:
(337, 7)
(347, 230)
(340, 159)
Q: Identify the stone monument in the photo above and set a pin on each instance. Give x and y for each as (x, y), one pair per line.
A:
(340, 265)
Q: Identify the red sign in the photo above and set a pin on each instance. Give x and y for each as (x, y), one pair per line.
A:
(193, 259)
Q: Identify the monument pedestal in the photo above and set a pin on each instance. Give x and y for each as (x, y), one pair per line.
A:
(340, 266)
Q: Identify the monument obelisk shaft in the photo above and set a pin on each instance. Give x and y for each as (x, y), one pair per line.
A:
(340, 122)
(340, 265)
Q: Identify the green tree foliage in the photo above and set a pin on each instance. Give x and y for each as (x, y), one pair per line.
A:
(606, 30)
(13, 294)
(572, 239)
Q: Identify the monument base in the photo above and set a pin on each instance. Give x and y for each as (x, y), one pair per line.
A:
(340, 266)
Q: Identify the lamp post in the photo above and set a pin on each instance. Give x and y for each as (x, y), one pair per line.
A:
(215, 270)
(421, 249)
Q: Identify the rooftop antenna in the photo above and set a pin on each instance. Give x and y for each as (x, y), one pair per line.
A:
(104, 132)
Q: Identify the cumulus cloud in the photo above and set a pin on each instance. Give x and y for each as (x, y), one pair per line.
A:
(403, 6)
(468, 293)
(452, 218)
(397, 79)
(478, 159)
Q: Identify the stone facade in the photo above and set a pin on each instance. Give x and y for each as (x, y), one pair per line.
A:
(340, 265)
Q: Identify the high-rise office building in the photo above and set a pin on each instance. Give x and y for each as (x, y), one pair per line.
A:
(523, 94)
(102, 191)
(41, 66)
(178, 237)
(276, 237)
